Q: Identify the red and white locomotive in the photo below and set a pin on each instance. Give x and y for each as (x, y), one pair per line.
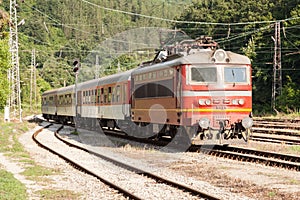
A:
(186, 90)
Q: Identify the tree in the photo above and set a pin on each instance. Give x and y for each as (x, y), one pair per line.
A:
(254, 38)
(4, 58)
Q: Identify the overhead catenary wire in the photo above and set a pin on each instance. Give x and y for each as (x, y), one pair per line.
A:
(184, 21)
(71, 26)
(233, 36)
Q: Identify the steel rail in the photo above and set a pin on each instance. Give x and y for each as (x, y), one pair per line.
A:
(251, 155)
(82, 168)
(275, 140)
(142, 172)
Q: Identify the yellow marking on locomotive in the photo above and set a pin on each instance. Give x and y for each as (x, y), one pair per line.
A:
(198, 110)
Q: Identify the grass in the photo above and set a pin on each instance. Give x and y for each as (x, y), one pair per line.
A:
(272, 194)
(75, 132)
(58, 194)
(37, 171)
(11, 188)
(294, 182)
(295, 149)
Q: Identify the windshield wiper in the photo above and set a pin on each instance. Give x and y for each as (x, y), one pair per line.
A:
(233, 75)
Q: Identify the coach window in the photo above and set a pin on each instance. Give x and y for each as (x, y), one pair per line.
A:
(116, 94)
(61, 97)
(105, 95)
(98, 95)
(161, 74)
(65, 99)
(51, 102)
(144, 77)
(83, 97)
(102, 96)
(154, 75)
(166, 74)
(90, 96)
(86, 97)
(93, 96)
(109, 94)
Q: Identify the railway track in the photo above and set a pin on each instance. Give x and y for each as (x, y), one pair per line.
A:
(274, 159)
(79, 166)
(276, 120)
(274, 139)
(276, 131)
(268, 158)
(139, 173)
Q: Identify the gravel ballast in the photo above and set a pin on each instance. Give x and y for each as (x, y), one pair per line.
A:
(225, 178)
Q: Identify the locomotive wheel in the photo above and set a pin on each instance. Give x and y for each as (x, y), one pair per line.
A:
(220, 137)
(228, 134)
(245, 134)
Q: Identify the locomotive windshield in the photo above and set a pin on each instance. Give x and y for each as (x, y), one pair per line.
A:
(208, 74)
(235, 75)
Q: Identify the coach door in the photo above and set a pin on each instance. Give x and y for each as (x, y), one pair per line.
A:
(124, 100)
(79, 102)
(178, 83)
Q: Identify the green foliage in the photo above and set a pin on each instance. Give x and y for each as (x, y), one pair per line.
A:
(36, 171)
(289, 100)
(58, 194)
(61, 31)
(254, 40)
(4, 56)
(11, 188)
(4, 66)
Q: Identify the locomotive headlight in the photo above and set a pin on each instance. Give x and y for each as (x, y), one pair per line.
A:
(201, 102)
(241, 101)
(235, 102)
(220, 55)
(204, 123)
(207, 101)
(247, 122)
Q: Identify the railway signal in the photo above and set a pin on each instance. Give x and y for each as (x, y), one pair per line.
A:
(76, 71)
(76, 66)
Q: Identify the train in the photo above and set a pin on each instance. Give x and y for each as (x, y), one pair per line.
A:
(191, 91)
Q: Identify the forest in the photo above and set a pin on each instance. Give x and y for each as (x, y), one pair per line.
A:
(101, 33)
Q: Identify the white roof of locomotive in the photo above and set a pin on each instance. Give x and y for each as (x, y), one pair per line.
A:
(202, 56)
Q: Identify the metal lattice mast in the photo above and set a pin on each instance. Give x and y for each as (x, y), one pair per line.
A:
(14, 101)
(277, 72)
